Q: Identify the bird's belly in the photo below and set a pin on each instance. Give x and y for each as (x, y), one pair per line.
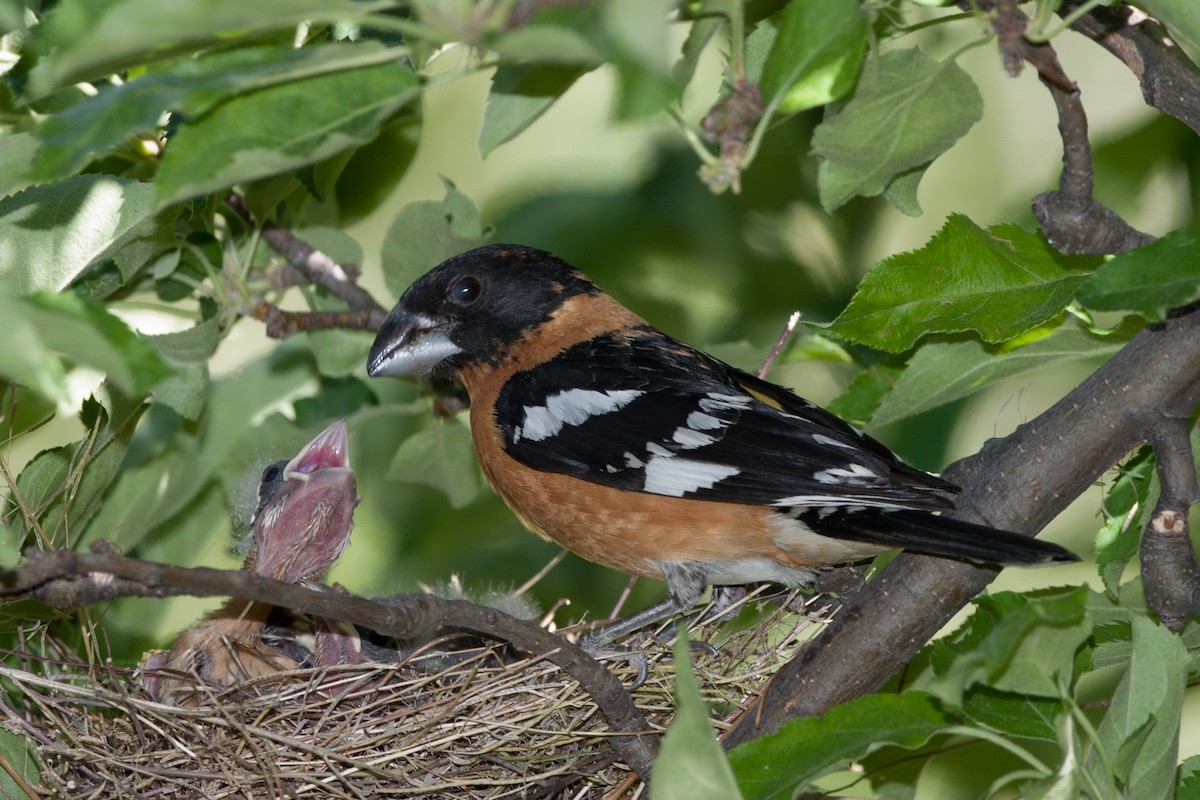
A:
(638, 533)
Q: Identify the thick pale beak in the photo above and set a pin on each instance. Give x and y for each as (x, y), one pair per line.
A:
(409, 344)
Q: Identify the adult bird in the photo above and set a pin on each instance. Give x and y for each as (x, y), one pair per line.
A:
(646, 455)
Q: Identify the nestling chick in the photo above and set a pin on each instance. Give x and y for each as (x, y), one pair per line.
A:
(301, 526)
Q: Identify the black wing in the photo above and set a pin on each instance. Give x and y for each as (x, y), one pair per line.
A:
(648, 413)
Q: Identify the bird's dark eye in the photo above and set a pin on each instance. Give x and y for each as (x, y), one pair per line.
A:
(272, 473)
(465, 291)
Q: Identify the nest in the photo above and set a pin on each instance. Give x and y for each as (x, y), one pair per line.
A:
(476, 729)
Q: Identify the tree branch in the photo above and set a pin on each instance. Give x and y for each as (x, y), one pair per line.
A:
(1170, 81)
(1018, 483)
(317, 268)
(67, 579)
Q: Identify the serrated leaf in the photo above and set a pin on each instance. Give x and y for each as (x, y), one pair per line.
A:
(50, 234)
(97, 124)
(1140, 732)
(520, 94)
(244, 138)
(1188, 787)
(1182, 18)
(816, 55)
(999, 283)
(691, 765)
(1150, 280)
(906, 111)
(812, 746)
(944, 371)
(442, 457)
(426, 233)
(1016, 644)
(86, 39)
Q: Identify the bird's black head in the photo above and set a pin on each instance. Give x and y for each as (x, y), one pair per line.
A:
(471, 308)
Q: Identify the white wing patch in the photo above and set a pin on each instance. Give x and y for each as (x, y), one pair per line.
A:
(571, 407)
(829, 441)
(675, 476)
(855, 475)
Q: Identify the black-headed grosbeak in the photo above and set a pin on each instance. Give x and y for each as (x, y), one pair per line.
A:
(643, 454)
(300, 526)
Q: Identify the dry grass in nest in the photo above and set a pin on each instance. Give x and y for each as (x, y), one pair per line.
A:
(473, 730)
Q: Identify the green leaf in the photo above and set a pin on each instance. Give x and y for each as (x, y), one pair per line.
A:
(86, 39)
(64, 486)
(18, 158)
(817, 54)
(442, 457)
(1014, 713)
(1135, 490)
(691, 764)
(862, 397)
(88, 334)
(147, 495)
(191, 88)
(245, 138)
(548, 43)
(1016, 644)
(809, 747)
(50, 234)
(1149, 280)
(1140, 732)
(1182, 18)
(426, 233)
(520, 94)
(906, 111)
(999, 282)
(943, 371)
(1189, 779)
(19, 756)
(637, 43)
(25, 359)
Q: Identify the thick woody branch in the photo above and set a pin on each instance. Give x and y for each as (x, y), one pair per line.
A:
(1019, 483)
(67, 579)
(1170, 81)
(1170, 574)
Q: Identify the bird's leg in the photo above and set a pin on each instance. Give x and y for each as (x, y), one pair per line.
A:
(686, 581)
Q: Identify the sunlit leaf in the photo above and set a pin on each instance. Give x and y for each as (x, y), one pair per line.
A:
(87, 39)
(816, 55)
(50, 234)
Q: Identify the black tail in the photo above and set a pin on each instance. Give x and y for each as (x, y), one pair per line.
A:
(927, 533)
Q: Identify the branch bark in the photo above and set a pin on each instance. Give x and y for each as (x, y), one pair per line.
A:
(1018, 483)
(67, 579)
